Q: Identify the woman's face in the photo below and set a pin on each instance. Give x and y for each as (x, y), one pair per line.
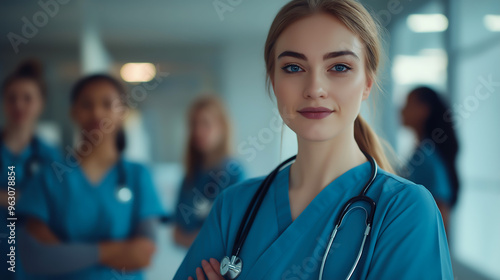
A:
(414, 113)
(319, 65)
(98, 108)
(207, 131)
(23, 102)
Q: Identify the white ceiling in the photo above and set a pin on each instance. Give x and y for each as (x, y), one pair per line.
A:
(147, 22)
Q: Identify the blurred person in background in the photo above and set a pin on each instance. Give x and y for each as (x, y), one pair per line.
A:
(23, 96)
(208, 164)
(433, 161)
(94, 216)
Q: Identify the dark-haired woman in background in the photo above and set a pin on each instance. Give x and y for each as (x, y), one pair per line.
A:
(95, 219)
(23, 96)
(433, 162)
(209, 166)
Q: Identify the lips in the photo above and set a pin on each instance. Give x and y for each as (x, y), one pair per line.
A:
(315, 112)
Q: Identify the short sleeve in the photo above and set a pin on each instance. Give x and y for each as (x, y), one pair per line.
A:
(434, 179)
(412, 242)
(236, 171)
(149, 201)
(208, 244)
(34, 201)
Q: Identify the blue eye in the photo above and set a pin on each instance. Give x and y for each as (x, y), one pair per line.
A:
(341, 68)
(292, 68)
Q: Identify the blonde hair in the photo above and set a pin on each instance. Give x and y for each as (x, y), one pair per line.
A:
(213, 103)
(357, 19)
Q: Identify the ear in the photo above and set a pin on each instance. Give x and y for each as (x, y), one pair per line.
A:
(368, 88)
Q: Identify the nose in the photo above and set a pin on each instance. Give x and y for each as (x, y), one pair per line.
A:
(98, 112)
(317, 86)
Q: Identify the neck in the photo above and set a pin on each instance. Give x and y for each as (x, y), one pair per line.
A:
(420, 132)
(103, 153)
(16, 138)
(211, 159)
(319, 163)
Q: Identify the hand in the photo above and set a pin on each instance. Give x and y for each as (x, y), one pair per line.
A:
(212, 270)
(140, 251)
(127, 255)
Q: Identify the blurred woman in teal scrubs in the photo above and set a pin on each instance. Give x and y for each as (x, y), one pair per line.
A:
(23, 95)
(209, 166)
(93, 215)
(321, 59)
(433, 164)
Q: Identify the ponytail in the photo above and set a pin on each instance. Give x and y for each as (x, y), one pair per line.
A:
(369, 142)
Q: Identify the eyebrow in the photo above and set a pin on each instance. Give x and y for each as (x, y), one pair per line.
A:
(325, 57)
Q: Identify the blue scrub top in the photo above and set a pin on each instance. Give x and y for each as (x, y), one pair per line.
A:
(407, 240)
(428, 169)
(78, 211)
(44, 155)
(198, 193)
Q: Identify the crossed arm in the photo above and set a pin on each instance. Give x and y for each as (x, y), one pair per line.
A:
(40, 246)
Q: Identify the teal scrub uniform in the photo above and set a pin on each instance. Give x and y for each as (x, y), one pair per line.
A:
(78, 211)
(407, 240)
(428, 169)
(197, 193)
(37, 153)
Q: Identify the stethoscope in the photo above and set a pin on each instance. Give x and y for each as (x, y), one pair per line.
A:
(232, 266)
(123, 193)
(32, 164)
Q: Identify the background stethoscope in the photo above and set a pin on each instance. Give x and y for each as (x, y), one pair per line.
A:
(232, 266)
(123, 192)
(32, 164)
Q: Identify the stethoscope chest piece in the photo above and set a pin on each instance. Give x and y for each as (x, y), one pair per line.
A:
(124, 194)
(34, 167)
(231, 268)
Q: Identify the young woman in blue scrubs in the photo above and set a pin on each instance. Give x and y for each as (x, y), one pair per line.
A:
(209, 166)
(321, 59)
(433, 162)
(23, 96)
(93, 215)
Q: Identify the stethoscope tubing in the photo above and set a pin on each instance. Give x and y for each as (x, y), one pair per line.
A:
(258, 198)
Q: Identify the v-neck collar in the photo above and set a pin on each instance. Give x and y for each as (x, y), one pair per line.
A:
(103, 179)
(21, 156)
(350, 181)
(327, 201)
